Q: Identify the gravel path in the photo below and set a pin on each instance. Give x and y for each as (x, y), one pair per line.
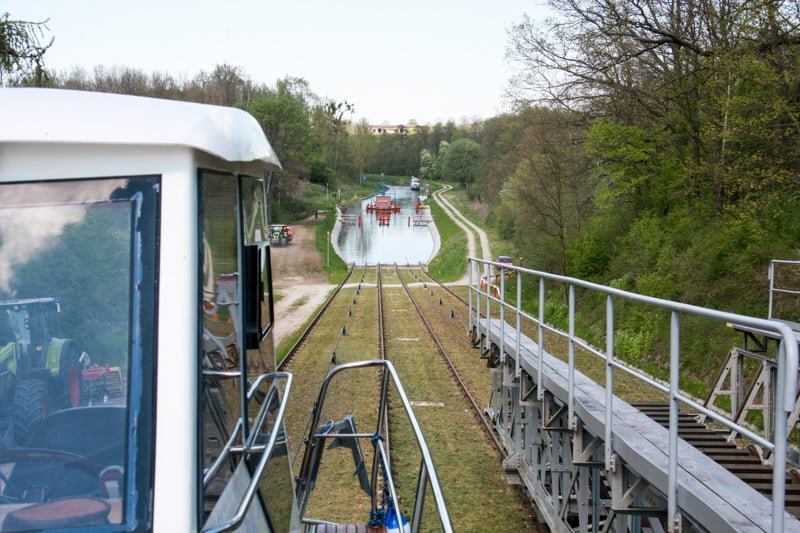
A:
(469, 228)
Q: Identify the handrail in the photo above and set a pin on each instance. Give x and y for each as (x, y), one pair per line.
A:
(251, 447)
(787, 369)
(427, 462)
(772, 288)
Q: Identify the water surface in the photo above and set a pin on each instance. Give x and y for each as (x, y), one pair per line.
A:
(398, 242)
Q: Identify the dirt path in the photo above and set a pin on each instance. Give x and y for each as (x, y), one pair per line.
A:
(469, 228)
(297, 280)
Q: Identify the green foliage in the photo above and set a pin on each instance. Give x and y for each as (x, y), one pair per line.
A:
(588, 258)
(22, 51)
(636, 164)
(93, 302)
(320, 173)
(426, 164)
(441, 156)
(284, 116)
(461, 162)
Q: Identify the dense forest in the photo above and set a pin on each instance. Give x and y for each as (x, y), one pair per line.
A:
(653, 145)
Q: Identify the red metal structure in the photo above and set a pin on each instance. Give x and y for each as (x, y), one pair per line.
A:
(383, 204)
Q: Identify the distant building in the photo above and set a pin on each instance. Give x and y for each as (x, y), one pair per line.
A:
(380, 129)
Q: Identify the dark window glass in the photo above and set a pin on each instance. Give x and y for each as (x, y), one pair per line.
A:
(74, 256)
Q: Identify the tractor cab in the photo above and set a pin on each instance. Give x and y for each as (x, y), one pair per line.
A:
(139, 389)
(39, 373)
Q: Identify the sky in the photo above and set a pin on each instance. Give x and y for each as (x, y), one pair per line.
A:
(430, 61)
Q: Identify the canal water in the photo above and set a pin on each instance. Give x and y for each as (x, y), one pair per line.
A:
(398, 242)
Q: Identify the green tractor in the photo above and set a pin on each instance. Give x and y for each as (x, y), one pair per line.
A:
(39, 373)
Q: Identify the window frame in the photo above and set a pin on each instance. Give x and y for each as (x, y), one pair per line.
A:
(137, 508)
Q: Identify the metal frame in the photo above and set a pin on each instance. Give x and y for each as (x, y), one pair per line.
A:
(249, 445)
(315, 445)
(548, 443)
(772, 288)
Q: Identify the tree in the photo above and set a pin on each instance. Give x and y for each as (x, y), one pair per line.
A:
(461, 162)
(284, 117)
(362, 144)
(22, 51)
(549, 195)
(425, 164)
(438, 162)
(682, 66)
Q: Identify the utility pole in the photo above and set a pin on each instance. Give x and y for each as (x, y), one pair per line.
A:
(328, 250)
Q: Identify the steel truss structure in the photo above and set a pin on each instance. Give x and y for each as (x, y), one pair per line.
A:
(588, 460)
(563, 468)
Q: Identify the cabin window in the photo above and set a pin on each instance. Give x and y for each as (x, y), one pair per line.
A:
(77, 349)
(220, 315)
(236, 281)
(257, 233)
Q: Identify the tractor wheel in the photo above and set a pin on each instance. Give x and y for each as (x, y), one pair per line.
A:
(30, 406)
(70, 378)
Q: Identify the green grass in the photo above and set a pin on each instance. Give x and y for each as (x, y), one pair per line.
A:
(337, 269)
(499, 246)
(298, 303)
(450, 263)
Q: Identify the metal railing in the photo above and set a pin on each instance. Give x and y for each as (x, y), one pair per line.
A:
(787, 365)
(252, 445)
(773, 290)
(316, 441)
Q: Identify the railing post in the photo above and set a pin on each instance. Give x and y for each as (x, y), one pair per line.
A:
(488, 273)
(779, 455)
(609, 449)
(478, 314)
(469, 294)
(502, 316)
(378, 431)
(540, 362)
(771, 276)
(673, 517)
(517, 372)
(571, 391)
(419, 501)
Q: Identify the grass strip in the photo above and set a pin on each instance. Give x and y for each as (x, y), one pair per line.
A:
(476, 493)
(450, 262)
(332, 264)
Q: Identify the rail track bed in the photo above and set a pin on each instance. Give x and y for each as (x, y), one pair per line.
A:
(365, 321)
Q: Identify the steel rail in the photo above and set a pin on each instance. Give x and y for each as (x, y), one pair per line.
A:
(320, 312)
(427, 465)
(445, 287)
(382, 356)
(446, 356)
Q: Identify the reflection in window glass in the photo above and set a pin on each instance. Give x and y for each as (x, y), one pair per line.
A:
(222, 322)
(65, 316)
(257, 232)
(220, 315)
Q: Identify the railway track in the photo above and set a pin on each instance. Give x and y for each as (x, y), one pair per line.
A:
(449, 423)
(742, 462)
(285, 362)
(449, 361)
(382, 355)
(445, 287)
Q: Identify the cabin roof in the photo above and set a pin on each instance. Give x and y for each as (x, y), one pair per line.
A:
(77, 117)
